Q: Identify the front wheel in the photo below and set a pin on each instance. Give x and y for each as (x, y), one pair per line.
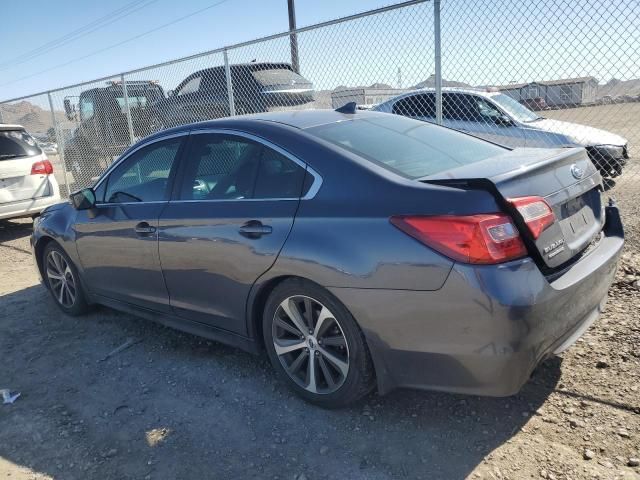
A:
(315, 345)
(63, 281)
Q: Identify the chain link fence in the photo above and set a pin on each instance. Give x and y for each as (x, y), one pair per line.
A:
(547, 73)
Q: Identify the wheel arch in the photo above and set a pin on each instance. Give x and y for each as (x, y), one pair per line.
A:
(258, 299)
(256, 303)
(39, 249)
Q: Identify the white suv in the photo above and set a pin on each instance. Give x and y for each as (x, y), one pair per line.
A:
(27, 184)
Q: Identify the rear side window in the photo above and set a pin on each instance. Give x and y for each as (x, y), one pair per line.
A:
(16, 144)
(220, 167)
(229, 167)
(408, 147)
(422, 105)
(278, 177)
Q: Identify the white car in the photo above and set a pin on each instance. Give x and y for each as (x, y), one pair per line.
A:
(27, 183)
(499, 118)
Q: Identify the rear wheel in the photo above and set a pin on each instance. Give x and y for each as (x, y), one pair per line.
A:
(315, 345)
(63, 281)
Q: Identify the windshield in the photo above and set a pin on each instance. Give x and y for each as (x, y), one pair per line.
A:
(514, 108)
(405, 146)
(17, 143)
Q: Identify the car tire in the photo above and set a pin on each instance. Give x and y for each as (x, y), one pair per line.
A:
(327, 364)
(63, 281)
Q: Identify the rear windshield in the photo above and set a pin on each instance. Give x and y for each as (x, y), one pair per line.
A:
(17, 143)
(408, 147)
(278, 76)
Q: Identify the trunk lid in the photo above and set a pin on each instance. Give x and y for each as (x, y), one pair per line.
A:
(565, 178)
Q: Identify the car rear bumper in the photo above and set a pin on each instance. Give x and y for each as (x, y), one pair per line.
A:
(488, 327)
(29, 207)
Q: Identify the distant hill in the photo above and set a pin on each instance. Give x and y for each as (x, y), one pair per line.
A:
(35, 119)
(431, 83)
(615, 87)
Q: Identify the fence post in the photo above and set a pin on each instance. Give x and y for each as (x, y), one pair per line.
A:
(227, 74)
(293, 38)
(60, 142)
(438, 60)
(125, 94)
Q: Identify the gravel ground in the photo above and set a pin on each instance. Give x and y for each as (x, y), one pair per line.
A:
(174, 406)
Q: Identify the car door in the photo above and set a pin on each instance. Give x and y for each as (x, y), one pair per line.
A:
(233, 208)
(117, 241)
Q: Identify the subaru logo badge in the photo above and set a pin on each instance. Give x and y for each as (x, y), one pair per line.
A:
(577, 172)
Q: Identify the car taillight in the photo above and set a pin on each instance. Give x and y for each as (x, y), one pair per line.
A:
(481, 239)
(536, 213)
(42, 167)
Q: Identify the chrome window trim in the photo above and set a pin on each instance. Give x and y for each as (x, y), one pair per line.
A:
(112, 204)
(313, 190)
(311, 193)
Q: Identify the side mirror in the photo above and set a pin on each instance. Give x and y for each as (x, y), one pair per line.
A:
(503, 121)
(68, 109)
(84, 199)
(171, 93)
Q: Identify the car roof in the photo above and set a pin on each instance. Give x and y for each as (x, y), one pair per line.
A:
(301, 119)
(474, 91)
(311, 118)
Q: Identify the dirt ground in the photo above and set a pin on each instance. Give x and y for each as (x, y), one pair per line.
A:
(174, 406)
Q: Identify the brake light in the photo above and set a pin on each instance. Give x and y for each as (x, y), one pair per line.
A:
(42, 167)
(480, 239)
(536, 213)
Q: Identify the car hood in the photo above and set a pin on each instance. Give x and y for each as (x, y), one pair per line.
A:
(578, 134)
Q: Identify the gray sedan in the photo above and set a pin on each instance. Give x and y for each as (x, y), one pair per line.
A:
(358, 249)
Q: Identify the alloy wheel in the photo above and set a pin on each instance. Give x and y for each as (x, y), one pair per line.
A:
(310, 344)
(61, 279)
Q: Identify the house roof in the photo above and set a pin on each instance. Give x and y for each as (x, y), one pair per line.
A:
(562, 81)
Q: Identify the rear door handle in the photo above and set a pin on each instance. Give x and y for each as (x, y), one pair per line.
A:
(255, 229)
(143, 228)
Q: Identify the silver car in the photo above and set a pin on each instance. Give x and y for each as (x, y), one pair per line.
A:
(499, 118)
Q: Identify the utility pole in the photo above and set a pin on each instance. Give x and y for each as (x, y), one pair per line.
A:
(295, 63)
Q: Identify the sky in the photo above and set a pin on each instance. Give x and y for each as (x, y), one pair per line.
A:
(484, 42)
(29, 27)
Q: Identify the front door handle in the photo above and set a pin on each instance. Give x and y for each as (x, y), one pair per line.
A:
(143, 228)
(255, 229)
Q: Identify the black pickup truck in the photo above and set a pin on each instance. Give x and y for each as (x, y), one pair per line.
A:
(103, 131)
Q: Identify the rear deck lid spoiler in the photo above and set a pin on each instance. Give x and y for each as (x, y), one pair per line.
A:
(565, 178)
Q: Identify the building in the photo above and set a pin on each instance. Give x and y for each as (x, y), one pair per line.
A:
(364, 95)
(564, 92)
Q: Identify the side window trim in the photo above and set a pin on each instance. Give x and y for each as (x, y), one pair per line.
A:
(315, 186)
(175, 170)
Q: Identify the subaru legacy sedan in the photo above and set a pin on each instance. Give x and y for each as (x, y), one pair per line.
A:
(359, 249)
(499, 118)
